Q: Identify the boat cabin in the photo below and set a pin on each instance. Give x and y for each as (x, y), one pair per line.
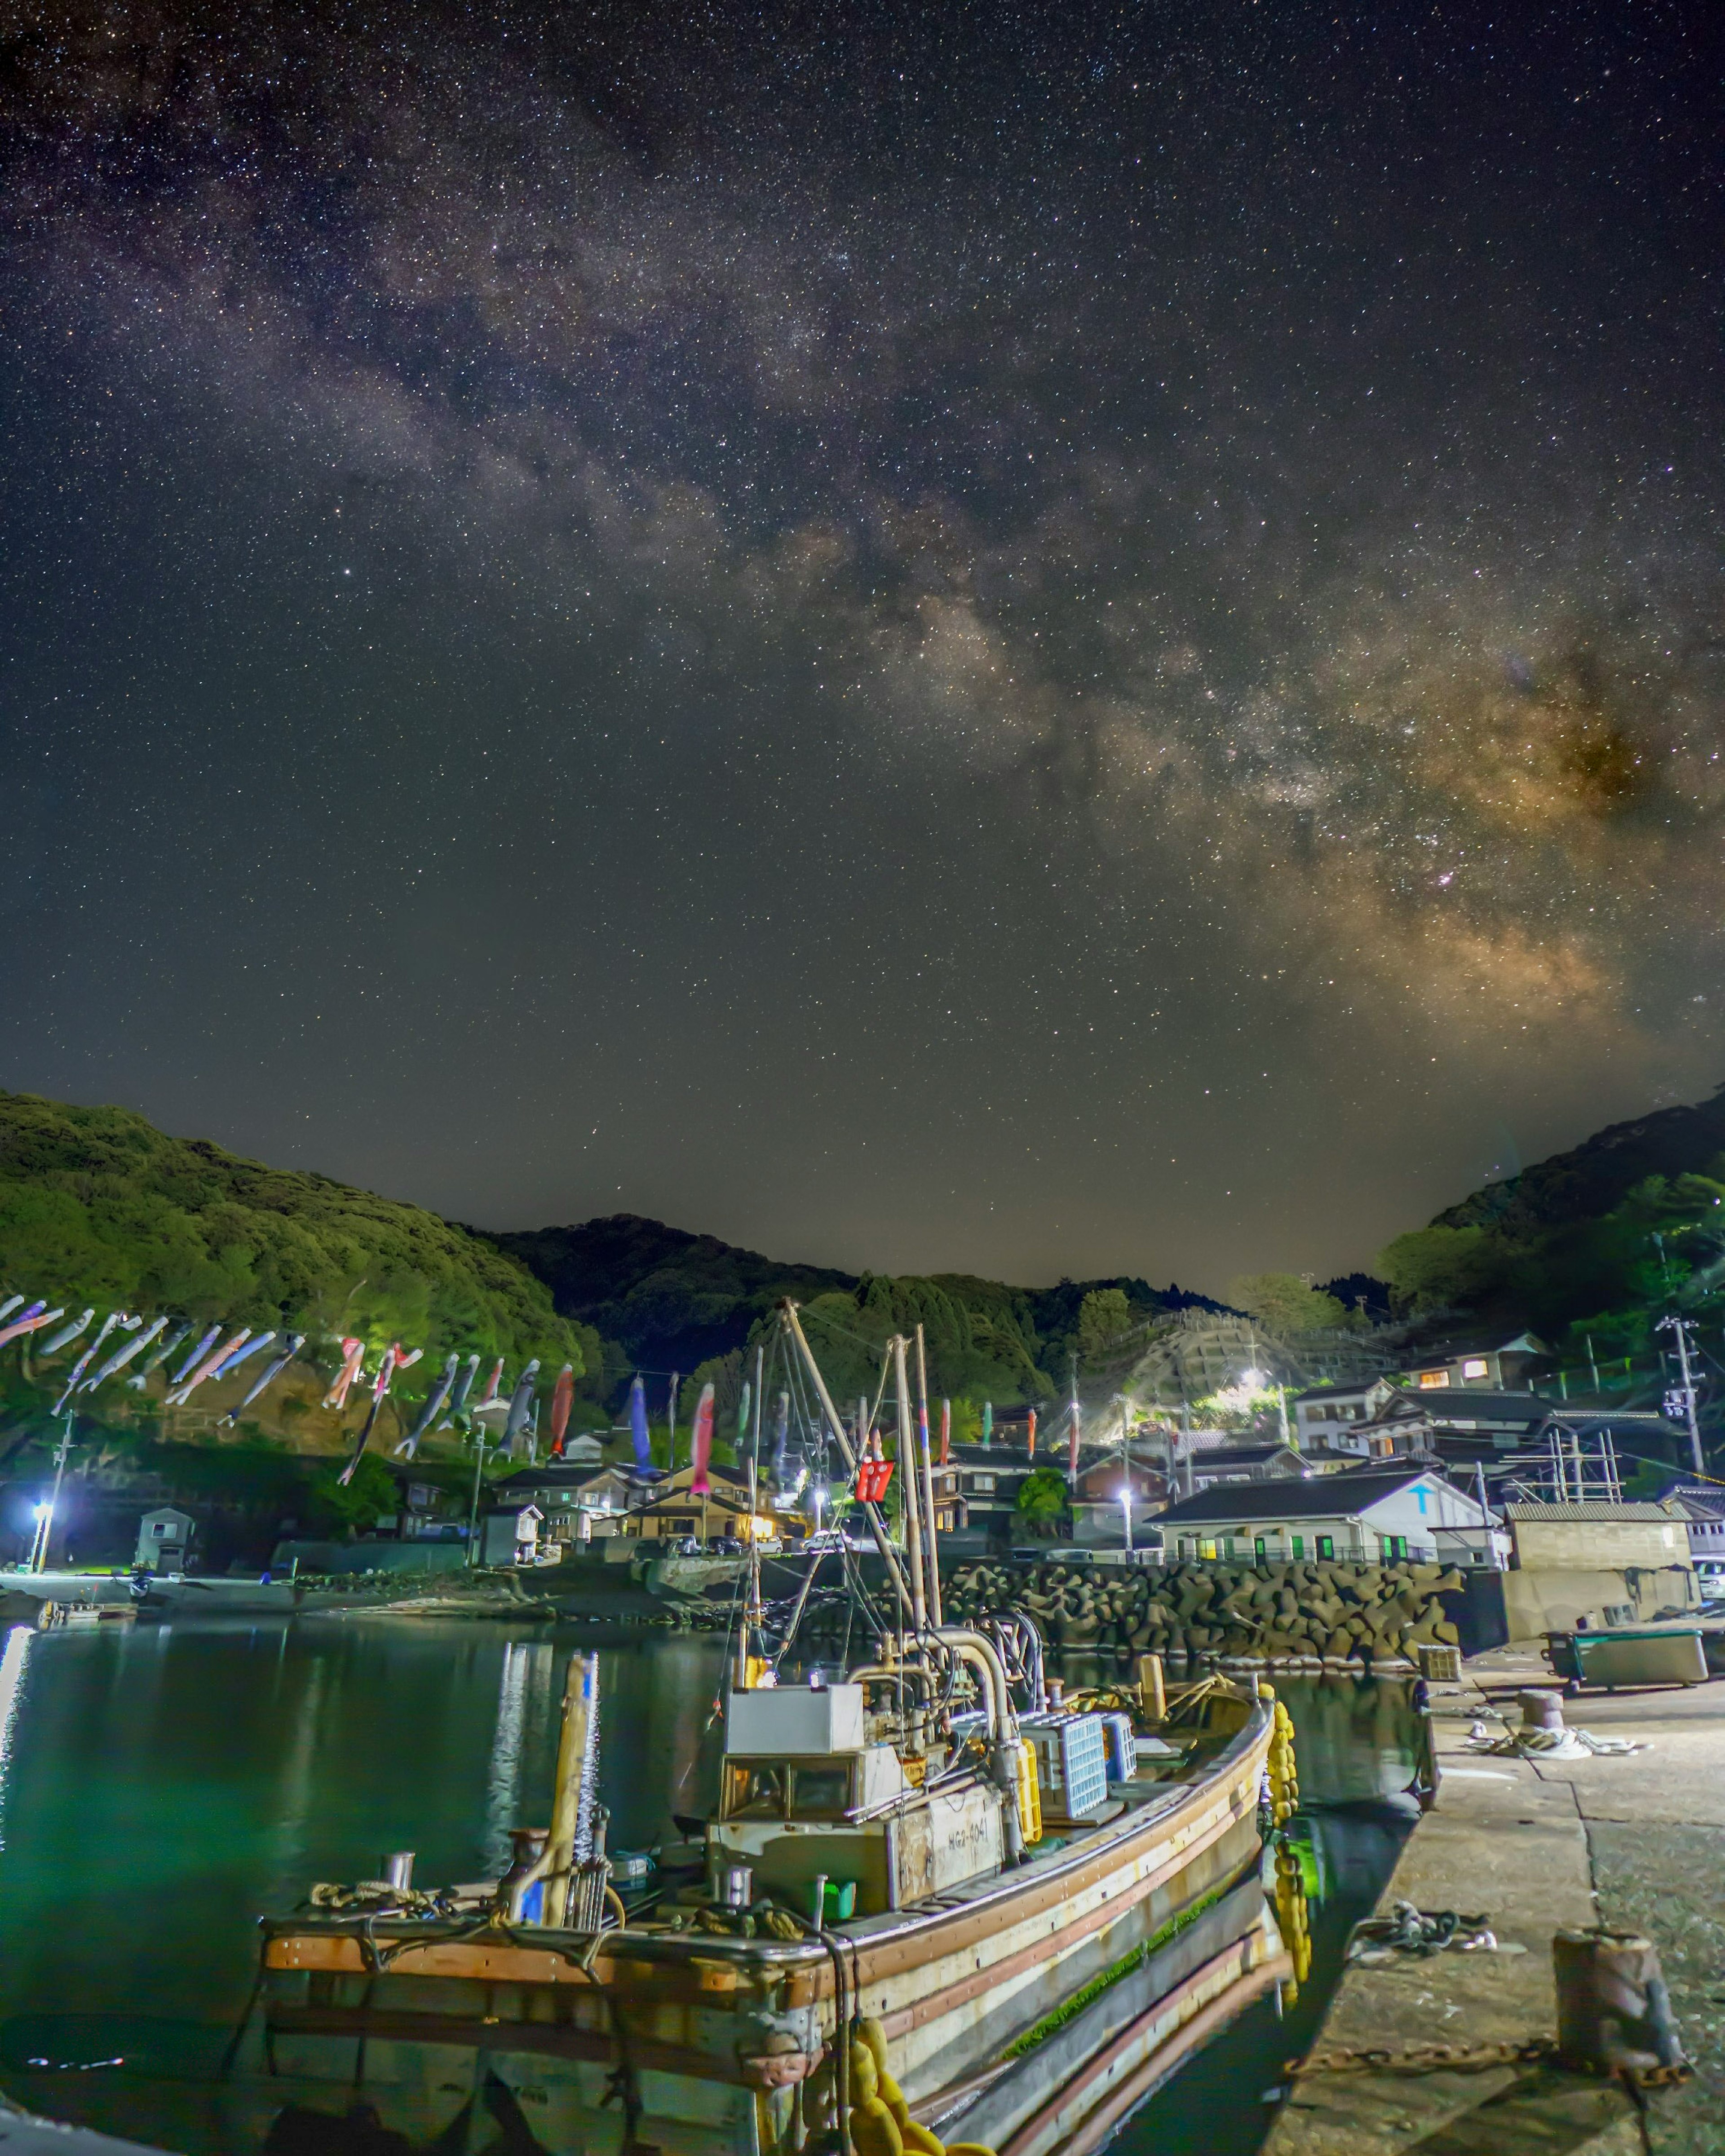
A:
(805, 1797)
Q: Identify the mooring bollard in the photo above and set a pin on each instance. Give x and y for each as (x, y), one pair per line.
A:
(1541, 1710)
(1614, 2011)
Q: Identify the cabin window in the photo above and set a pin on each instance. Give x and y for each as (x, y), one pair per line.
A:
(755, 1792)
(1299, 1548)
(1207, 1548)
(1395, 1547)
(820, 1792)
(1260, 1549)
(1326, 1548)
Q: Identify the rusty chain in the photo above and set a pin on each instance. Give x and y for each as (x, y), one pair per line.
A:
(1468, 2058)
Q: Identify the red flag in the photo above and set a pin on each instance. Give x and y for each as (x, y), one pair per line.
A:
(946, 1432)
(701, 1451)
(1031, 1432)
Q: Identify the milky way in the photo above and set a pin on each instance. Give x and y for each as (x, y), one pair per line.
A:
(1079, 640)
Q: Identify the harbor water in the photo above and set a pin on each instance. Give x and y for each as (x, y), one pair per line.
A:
(162, 1785)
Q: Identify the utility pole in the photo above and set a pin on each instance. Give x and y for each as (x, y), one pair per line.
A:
(44, 1524)
(478, 1462)
(1679, 1327)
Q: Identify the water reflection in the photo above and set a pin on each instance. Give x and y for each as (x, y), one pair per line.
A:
(163, 1785)
(523, 1705)
(11, 1678)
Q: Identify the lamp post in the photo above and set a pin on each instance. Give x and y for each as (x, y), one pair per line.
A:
(44, 1513)
(821, 1498)
(1125, 1507)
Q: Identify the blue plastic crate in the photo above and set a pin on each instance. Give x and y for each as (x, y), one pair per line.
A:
(1072, 1764)
(1123, 1746)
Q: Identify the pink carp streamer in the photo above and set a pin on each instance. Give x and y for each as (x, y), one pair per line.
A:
(701, 1450)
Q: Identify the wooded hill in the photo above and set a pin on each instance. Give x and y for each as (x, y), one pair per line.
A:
(1596, 1243)
(98, 1206)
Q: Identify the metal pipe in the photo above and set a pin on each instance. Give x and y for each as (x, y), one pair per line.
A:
(871, 1514)
(976, 1648)
(927, 1473)
(910, 1492)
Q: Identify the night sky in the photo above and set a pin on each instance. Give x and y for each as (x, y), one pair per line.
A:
(1037, 640)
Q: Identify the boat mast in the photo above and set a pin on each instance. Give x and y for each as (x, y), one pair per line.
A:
(927, 1473)
(871, 1512)
(910, 1488)
(752, 1614)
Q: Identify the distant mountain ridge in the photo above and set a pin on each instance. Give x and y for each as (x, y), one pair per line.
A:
(1592, 1177)
(672, 1299)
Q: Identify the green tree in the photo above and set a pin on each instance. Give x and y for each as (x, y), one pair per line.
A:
(336, 1507)
(1041, 1502)
(1443, 1268)
(1283, 1302)
(1102, 1317)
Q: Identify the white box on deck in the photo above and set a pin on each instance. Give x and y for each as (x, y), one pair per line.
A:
(793, 1722)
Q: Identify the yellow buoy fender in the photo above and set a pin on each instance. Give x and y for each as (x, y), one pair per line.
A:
(873, 2130)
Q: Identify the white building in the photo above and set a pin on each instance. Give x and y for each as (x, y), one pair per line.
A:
(1326, 1415)
(1369, 1515)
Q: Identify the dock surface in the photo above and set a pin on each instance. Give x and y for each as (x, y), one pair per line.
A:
(1635, 1842)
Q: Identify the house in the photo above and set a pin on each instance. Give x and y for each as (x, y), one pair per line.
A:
(1596, 1537)
(671, 1507)
(1595, 1563)
(1702, 1508)
(1492, 1365)
(1369, 1515)
(1325, 1414)
(1099, 1518)
(976, 1495)
(1484, 1422)
(164, 1537)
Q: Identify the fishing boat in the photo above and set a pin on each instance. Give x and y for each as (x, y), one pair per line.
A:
(939, 1907)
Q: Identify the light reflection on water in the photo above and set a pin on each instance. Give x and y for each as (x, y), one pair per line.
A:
(160, 1786)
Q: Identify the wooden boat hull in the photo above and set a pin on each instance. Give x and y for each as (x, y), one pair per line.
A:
(696, 2045)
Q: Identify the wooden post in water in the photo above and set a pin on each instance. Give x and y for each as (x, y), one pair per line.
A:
(556, 1865)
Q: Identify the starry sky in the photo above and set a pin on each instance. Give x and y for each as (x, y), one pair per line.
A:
(1047, 639)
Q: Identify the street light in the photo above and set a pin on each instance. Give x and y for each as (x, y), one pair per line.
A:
(1125, 1506)
(821, 1498)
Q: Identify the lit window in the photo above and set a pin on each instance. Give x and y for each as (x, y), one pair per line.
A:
(1428, 1379)
(1475, 1367)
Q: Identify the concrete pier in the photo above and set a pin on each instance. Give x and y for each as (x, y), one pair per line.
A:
(1635, 1842)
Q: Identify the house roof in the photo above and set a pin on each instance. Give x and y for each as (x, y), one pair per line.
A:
(1337, 1391)
(1597, 1510)
(1689, 1503)
(1463, 1407)
(1319, 1496)
(1245, 1456)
